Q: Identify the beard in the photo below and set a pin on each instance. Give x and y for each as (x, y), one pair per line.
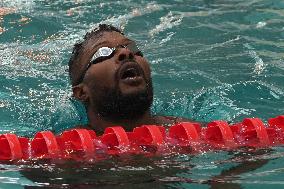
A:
(113, 105)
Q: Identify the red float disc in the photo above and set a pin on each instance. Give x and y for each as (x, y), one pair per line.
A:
(115, 137)
(10, 147)
(257, 124)
(277, 122)
(220, 131)
(184, 131)
(148, 134)
(78, 140)
(45, 145)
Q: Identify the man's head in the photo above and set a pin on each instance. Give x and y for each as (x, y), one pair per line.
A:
(110, 75)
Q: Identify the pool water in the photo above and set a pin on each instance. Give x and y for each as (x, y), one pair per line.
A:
(210, 59)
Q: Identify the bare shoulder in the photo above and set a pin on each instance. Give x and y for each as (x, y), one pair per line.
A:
(169, 120)
(179, 119)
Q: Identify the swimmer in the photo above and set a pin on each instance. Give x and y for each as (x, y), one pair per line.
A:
(112, 78)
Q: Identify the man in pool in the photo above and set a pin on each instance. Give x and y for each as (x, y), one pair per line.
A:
(110, 76)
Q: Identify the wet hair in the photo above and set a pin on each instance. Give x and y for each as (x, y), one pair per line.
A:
(74, 61)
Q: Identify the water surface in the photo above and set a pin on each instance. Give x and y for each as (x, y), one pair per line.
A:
(210, 59)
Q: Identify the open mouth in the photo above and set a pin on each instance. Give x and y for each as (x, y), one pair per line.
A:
(130, 70)
(131, 73)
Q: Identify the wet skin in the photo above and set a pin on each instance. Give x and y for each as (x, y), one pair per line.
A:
(114, 73)
(104, 74)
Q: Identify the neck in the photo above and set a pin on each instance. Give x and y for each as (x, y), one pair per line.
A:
(99, 123)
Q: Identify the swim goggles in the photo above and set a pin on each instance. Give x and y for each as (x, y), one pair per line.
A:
(105, 53)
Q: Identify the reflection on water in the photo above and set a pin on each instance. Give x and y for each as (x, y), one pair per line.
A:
(212, 169)
(210, 60)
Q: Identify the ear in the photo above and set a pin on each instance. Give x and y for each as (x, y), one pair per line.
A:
(80, 92)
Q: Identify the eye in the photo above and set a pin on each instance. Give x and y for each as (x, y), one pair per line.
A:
(139, 53)
(135, 50)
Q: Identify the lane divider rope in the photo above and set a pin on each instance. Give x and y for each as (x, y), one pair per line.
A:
(184, 137)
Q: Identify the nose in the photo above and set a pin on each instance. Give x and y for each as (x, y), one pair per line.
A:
(124, 54)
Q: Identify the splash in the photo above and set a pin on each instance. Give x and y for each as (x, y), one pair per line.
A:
(167, 22)
(259, 66)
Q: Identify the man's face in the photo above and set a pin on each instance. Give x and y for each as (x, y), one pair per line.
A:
(119, 87)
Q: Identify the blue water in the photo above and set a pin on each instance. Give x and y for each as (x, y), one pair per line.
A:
(210, 59)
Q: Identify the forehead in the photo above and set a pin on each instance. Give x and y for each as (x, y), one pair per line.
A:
(107, 38)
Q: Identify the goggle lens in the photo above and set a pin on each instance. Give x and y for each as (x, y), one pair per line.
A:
(104, 53)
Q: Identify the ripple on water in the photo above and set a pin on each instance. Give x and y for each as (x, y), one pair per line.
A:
(210, 60)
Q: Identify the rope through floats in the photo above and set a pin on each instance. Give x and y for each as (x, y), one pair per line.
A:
(187, 137)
